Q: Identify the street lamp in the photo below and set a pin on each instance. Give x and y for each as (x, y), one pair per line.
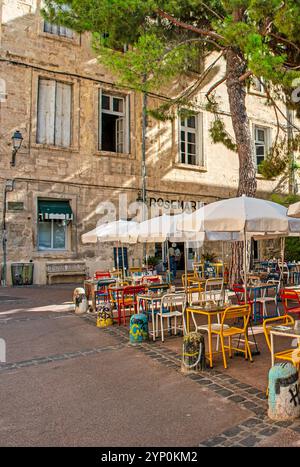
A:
(17, 140)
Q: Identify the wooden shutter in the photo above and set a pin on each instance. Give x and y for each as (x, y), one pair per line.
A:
(63, 114)
(100, 120)
(199, 140)
(46, 111)
(127, 125)
(120, 134)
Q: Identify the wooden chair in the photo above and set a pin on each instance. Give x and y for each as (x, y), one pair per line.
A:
(227, 331)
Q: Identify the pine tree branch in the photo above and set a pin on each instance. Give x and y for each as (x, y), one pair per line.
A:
(189, 27)
(214, 86)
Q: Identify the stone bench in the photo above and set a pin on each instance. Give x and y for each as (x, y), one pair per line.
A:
(66, 272)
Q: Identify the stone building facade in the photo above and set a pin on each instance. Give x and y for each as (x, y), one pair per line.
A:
(82, 149)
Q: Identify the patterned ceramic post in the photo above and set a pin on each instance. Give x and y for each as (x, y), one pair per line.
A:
(138, 328)
(284, 392)
(80, 300)
(193, 353)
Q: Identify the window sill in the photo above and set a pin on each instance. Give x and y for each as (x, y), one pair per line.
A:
(66, 40)
(195, 168)
(50, 147)
(122, 155)
(53, 253)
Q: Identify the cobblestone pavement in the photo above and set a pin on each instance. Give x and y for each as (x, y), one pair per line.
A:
(248, 433)
(255, 430)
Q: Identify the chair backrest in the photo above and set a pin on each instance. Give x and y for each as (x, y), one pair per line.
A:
(173, 300)
(133, 291)
(214, 283)
(278, 320)
(287, 296)
(239, 291)
(235, 312)
(102, 274)
(154, 279)
(275, 282)
(186, 276)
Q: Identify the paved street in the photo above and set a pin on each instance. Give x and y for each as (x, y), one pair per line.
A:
(68, 383)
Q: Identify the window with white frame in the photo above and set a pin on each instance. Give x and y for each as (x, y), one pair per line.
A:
(113, 123)
(262, 143)
(54, 217)
(54, 111)
(57, 30)
(191, 149)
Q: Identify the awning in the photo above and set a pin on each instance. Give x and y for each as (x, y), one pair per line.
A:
(54, 209)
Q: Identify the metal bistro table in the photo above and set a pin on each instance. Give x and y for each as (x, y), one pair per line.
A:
(212, 311)
(285, 331)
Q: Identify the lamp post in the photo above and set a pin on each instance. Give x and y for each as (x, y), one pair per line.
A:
(17, 140)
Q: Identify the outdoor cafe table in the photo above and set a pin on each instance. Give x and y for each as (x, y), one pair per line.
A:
(283, 331)
(209, 313)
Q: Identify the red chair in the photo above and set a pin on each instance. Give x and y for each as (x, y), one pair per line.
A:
(287, 296)
(102, 274)
(239, 291)
(128, 301)
(152, 279)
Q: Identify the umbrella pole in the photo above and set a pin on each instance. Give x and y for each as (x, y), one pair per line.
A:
(123, 262)
(185, 245)
(117, 258)
(245, 266)
(168, 256)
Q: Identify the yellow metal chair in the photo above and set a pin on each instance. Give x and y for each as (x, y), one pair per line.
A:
(227, 331)
(279, 320)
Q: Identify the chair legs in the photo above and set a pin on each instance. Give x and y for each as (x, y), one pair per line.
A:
(223, 351)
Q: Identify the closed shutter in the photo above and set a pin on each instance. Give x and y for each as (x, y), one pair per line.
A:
(127, 125)
(63, 114)
(120, 135)
(100, 120)
(46, 111)
(199, 139)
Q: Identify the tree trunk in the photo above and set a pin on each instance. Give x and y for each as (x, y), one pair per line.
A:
(247, 173)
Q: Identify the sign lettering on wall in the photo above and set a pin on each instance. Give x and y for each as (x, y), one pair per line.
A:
(174, 204)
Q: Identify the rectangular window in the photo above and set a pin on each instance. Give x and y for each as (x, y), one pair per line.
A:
(57, 30)
(191, 152)
(113, 123)
(54, 113)
(52, 235)
(261, 135)
(54, 216)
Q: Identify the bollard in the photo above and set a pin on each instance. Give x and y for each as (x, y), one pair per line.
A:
(80, 300)
(193, 353)
(104, 315)
(283, 389)
(138, 328)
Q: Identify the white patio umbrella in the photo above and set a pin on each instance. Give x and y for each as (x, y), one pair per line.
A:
(121, 231)
(294, 210)
(162, 228)
(239, 219)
